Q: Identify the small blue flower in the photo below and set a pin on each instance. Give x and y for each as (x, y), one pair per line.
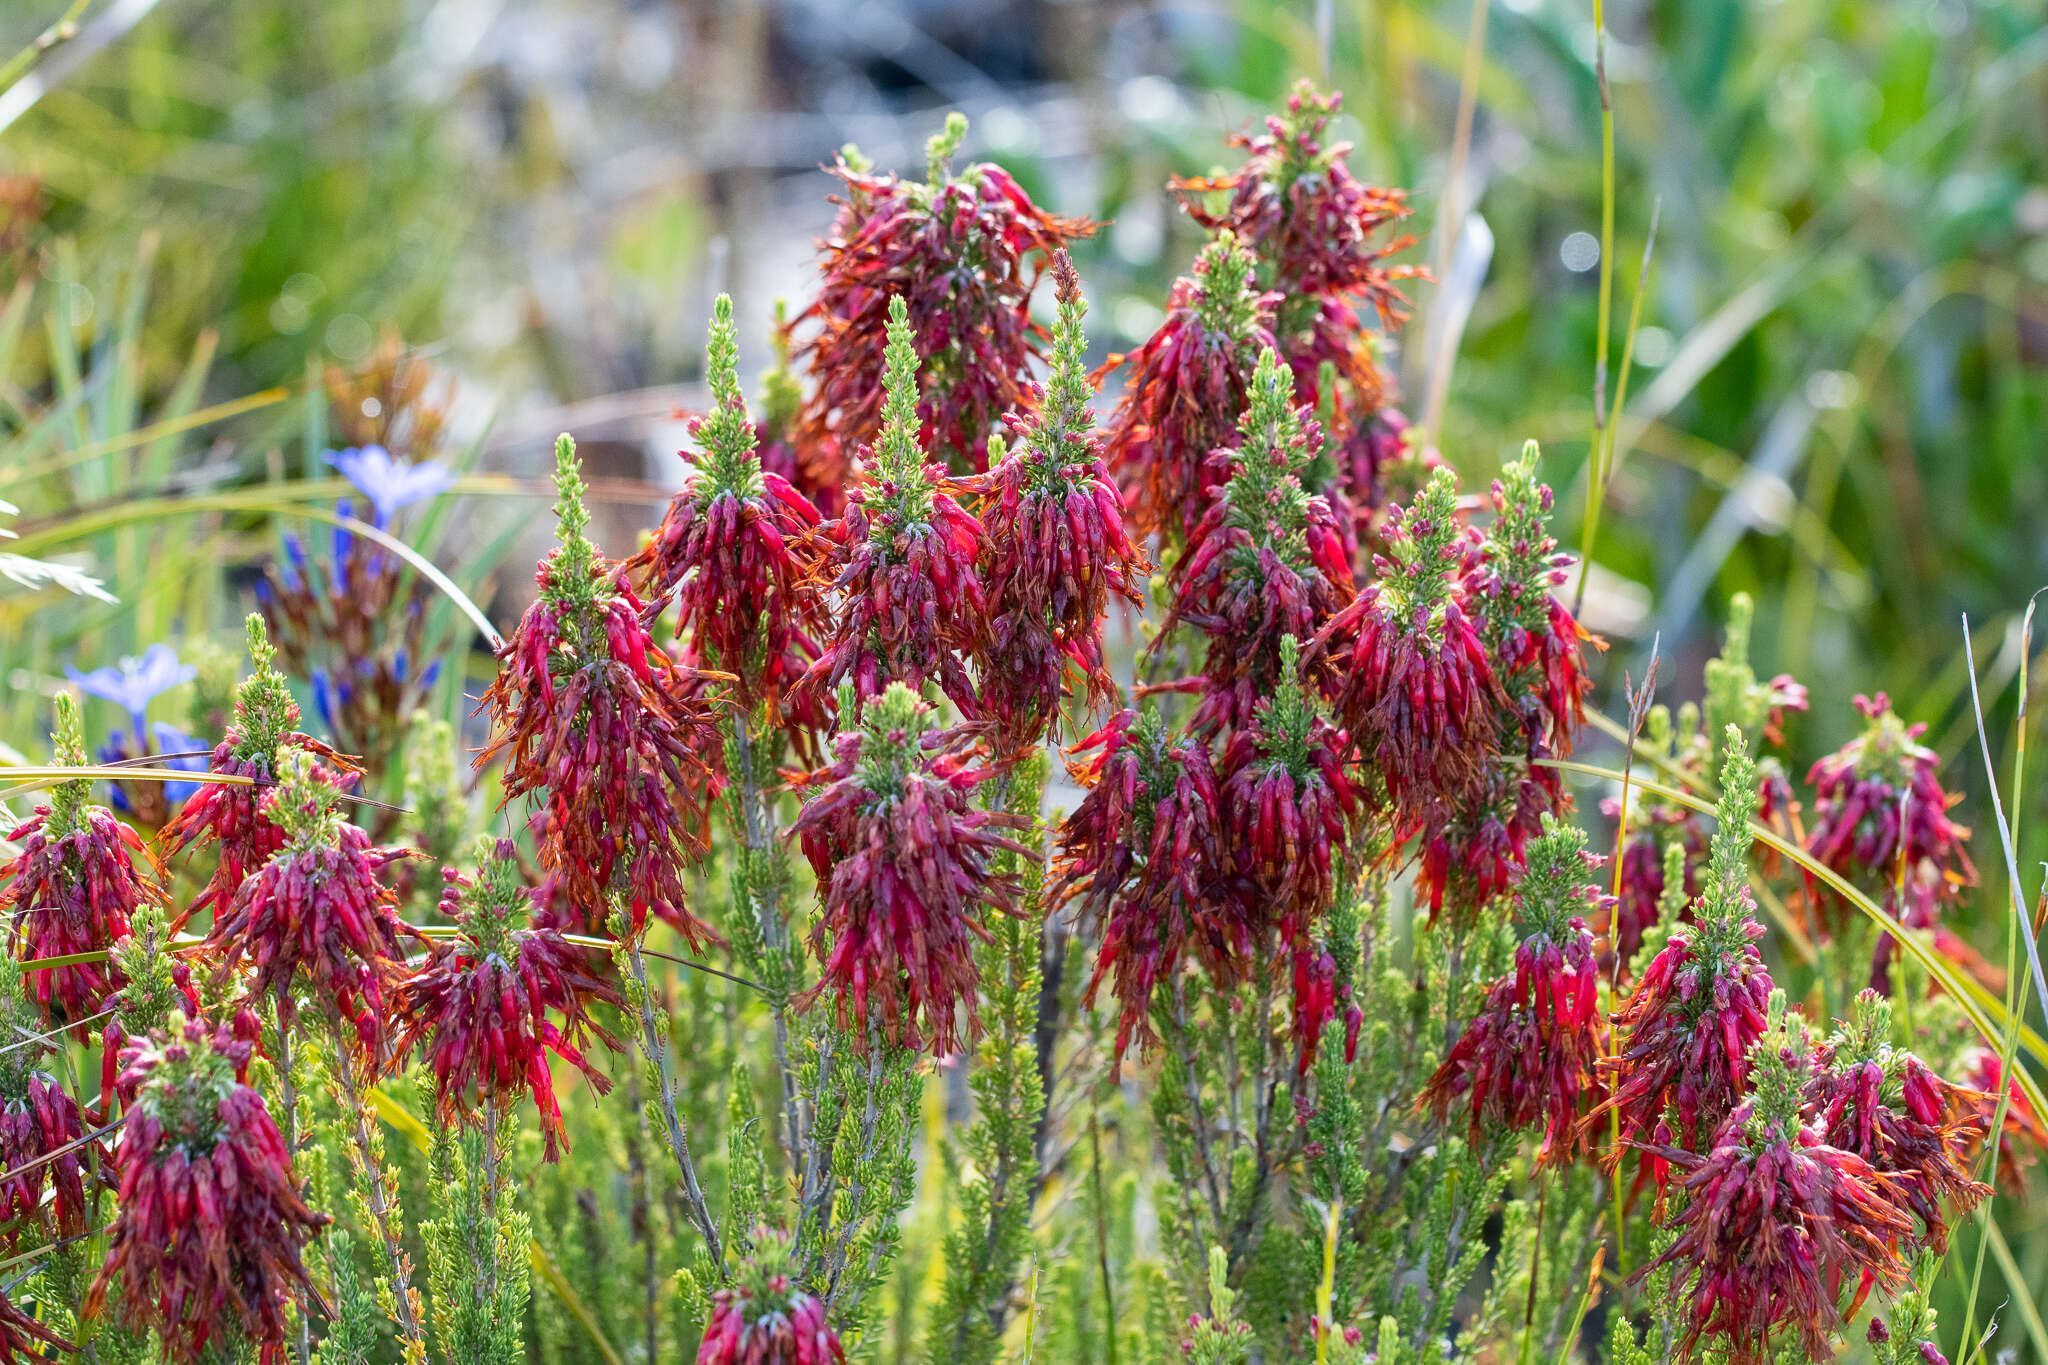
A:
(134, 683)
(389, 484)
(343, 541)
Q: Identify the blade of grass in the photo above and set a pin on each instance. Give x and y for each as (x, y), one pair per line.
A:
(219, 412)
(2022, 1292)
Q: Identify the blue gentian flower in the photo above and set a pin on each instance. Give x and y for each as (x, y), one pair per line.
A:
(135, 682)
(389, 484)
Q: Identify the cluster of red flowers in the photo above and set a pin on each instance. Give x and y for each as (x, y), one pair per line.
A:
(316, 913)
(1265, 562)
(209, 1223)
(1886, 1106)
(228, 817)
(80, 874)
(1057, 547)
(903, 559)
(1316, 230)
(764, 1317)
(1701, 1003)
(588, 712)
(1185, 388)
(1880, 818)
(727, 554)
(1531, 1054)
(904, 870)
(1776, 1221)
(43, 1144)
(964, 252)
(480, 1008)
(1138, 856)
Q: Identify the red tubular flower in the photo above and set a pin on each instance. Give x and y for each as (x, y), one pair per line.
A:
(79, 875)
(209, 1225)
(904, 554)
(1883, 1104)
(1411, 678)
(317, 907)
(1185, 389)
(1266, 562)
(765, 1318)
(1880, 817)
(1532, 1053)
(958, 251)
(903, 865)
(481, 1005)
(724, 550)
(1702, 1000)
(230, 816)
(587, 709)
(1056, 548)
(1144, 858)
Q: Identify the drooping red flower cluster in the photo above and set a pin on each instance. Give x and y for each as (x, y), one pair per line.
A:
(1778, 1225)
(209, 1225)
(764, 1317)
(481, 1007)
(727, 553)
(1880, 818)
(588, 710)
(229, 816)
(1474, 839)
(1056, 549)
(965, 253)
(42, 1135)
(1139, 856)
(903, 561)
(1287, 805)
(36, 1128)
(1185, 388)
(903, 861)
(316, 915)
(1690, 1021)
(1266, 561)
(80, 874)
(1316, 231)
(1411, 679)
(1531, 1055)
(1911, 1126)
